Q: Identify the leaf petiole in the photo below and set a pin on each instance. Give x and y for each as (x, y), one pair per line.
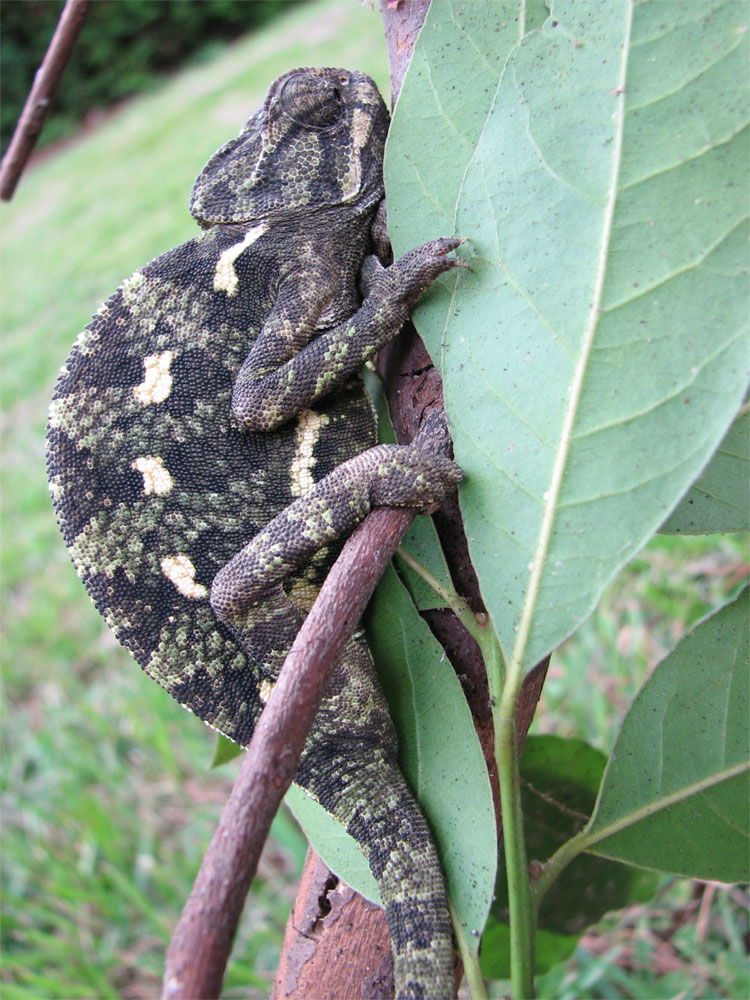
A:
(457, 604)
(469, 957)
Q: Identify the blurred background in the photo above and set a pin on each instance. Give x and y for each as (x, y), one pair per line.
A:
(108, 796)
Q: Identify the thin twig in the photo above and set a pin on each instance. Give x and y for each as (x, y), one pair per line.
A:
(44, 88)
(200, 946)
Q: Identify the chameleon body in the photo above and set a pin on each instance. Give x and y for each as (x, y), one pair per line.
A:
(210, 441)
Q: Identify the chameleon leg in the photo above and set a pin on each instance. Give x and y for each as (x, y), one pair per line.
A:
(387, 475)
(280, 376)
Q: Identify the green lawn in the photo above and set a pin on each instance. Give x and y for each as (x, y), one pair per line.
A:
(108, 801)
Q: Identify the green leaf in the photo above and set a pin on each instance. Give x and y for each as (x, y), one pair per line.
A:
(421, 542)
(559, 782)
(329, 838)
(442, 112)
(719, 500)
(439, 754)
(549, 949)
(676, 791)
(595, 357)
(225, 750)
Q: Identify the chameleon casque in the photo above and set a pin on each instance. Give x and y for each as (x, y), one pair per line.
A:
(210, 440)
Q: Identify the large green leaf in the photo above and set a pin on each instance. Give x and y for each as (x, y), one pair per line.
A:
(676, 793)
(440, 755)
(442, 111)
(720, 499)
(595, 357)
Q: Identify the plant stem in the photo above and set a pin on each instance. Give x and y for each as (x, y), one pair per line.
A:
(494, 665)
(562, 857)
(470, 959)
(504, 692)
(522, 914)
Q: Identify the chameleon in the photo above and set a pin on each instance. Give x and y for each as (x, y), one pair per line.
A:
(210, 443)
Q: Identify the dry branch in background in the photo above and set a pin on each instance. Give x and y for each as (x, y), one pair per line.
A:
(45, 86)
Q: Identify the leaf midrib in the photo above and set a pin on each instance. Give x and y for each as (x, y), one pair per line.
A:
(596, 835)
(576, 389)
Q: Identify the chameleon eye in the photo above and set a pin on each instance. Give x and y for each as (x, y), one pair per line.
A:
(313, 102)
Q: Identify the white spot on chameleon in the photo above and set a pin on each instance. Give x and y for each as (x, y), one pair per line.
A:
(156, 477)
(360, 135)
(309, 424)
(264, 689)
(225, 276)
(157, 380)
(181, 572)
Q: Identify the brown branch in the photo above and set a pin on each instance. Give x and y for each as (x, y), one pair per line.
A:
(315, 941)
(44, 88)
(402, 20)
(200, 946)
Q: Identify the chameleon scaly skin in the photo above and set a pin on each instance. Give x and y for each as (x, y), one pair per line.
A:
(210, 441)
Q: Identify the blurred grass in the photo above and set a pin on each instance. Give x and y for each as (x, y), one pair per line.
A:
(107, 798)
(106, 795)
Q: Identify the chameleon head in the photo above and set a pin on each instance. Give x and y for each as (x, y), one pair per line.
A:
(318, 140)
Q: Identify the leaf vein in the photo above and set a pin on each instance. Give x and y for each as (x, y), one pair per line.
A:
(446, 117)
(690, 80)
(679, 272)
(692, 158)
(596, 836)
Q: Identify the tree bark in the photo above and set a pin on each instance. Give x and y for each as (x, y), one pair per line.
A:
(331, 922)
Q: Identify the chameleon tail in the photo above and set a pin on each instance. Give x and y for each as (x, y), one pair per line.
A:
(405, 865)
(354, 774)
